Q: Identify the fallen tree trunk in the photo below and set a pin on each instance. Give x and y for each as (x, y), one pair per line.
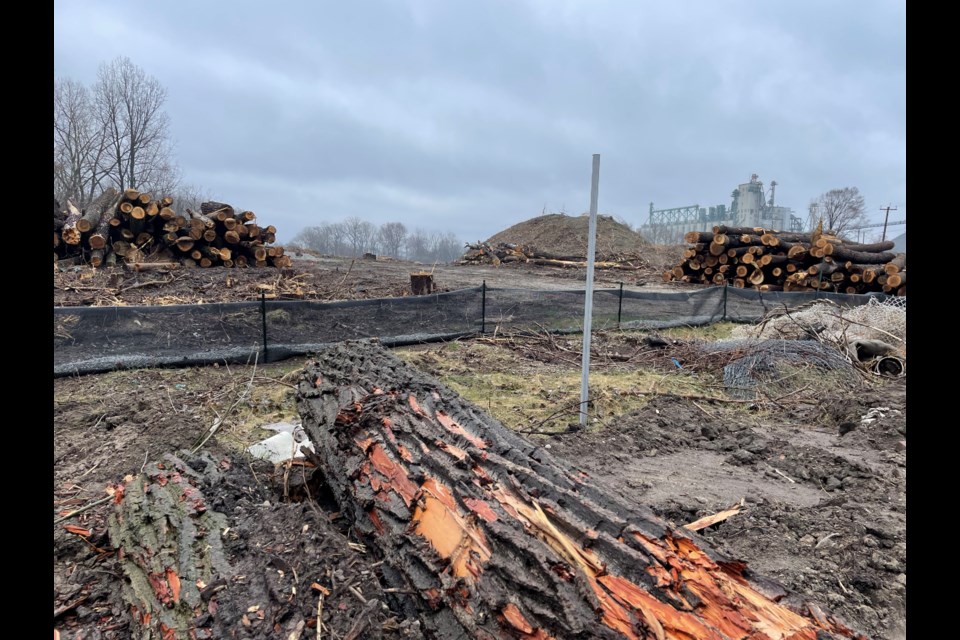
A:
(484, 535)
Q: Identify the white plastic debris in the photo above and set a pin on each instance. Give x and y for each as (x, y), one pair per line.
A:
(284, 445)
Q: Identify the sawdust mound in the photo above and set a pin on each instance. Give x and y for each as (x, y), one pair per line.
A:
(567, 235)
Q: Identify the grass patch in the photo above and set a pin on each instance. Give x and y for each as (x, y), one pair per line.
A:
(716, 331)
(183, 401)
(525, 394)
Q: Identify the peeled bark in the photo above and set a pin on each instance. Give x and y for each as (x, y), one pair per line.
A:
(70, 234)
(484, 535)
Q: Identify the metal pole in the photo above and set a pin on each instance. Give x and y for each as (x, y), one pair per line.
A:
(726, 286)
(483, 310)
(588, 298)
(263, 317)
(620, 305)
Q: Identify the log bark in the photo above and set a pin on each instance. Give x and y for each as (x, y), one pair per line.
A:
(211, 209)
(91, 217)
(875, 247)
(58, 215)
(485, 535)
(753, 231)
(842, 254)
(172, 550)
(101, 235)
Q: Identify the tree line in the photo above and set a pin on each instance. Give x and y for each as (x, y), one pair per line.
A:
(354, 236)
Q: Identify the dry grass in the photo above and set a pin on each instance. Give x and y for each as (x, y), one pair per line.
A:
(525, 394)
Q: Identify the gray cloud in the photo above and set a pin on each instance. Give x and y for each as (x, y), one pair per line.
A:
(474, 116)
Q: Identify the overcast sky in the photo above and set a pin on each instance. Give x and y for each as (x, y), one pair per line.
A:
(472, 116)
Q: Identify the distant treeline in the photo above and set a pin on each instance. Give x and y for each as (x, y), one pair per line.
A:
(354, 237)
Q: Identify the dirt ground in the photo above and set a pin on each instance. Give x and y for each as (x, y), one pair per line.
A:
(820, 466)
(331, 278)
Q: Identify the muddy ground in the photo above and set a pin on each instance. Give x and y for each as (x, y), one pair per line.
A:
(821, 471)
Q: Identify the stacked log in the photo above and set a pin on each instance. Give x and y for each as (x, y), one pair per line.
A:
(134, 227)
(770, 260)
(506, 253)
(483, 535)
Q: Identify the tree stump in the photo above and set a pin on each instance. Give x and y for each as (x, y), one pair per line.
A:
(421, 283)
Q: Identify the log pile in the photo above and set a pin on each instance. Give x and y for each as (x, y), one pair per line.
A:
(135, 228)
(506, 253)
(771, 260)
(484, 535)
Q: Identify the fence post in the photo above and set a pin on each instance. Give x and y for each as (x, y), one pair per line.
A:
(620, 306)
(483, 309)
(263, 317)
(726, 285)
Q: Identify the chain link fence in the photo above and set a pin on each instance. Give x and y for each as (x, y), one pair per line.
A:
(98, 339)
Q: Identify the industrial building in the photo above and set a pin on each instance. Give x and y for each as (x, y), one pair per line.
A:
(751, 207)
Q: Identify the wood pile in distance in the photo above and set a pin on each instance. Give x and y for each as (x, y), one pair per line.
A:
(769, 260)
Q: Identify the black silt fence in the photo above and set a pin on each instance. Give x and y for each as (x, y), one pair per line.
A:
(97, 339)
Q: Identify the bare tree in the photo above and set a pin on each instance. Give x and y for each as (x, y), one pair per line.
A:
(390, 237)
(418, 246)
(358, 234)
(840, 209)
(78, 144)
(129, 110)
(444, 247)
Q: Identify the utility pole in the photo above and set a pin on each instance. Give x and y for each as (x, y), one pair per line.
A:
(885, 218)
